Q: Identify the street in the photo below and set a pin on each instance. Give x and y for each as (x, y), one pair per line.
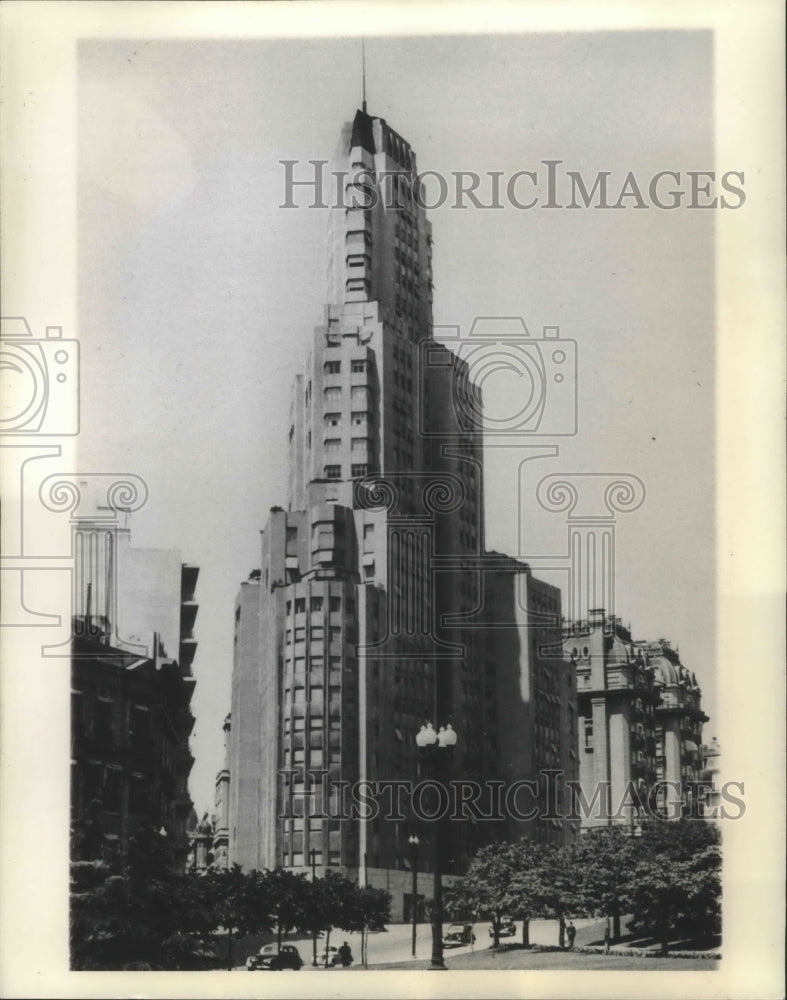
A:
(395, 943)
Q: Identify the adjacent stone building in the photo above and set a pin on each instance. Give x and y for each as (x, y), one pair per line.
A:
(132, 682)
(130, 727)
(639, 724)
(678, 721)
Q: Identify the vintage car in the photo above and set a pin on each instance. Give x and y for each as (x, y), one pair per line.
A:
(272, 958)
(458, 934)
(507, 928)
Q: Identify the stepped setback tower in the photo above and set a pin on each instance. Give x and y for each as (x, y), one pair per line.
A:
(369, 614)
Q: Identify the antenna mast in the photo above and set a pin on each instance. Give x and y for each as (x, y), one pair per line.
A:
(363, 71)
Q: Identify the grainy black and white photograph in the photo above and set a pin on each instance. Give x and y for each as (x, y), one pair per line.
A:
(380, 466)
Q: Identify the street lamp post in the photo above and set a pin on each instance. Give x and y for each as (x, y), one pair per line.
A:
(414, 842)
(312, 858)
(431, 745)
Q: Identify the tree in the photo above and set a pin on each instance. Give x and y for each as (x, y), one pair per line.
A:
(334, 904)
(367, 909)
(602, 863)
(138, 911)
(241, 903)
(484, 888)
(675, 886)
(287, 896)
(540, 885)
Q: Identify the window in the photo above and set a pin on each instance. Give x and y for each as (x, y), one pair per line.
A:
(333, 367)
(333, 444)
(103, 721)
(358, 366)
(113, 789)
(360, 443)
(139, 795)
(316, 604)
(77, 713)
(588, 734)
(359, 469)
(359, 418)
(300, 605)
(336, 604)
(333, 472)
(357, 285)
(333, 392)
(140, 727)
(368, 571)
(333, 419)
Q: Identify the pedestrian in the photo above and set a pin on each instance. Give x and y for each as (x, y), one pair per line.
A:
(606, 939)
(571, 933)
(345, 955)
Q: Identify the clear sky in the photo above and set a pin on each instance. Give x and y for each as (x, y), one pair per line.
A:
(198, 294)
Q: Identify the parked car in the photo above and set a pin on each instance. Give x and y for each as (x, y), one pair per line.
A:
(272, 958)
(330, 956)
(457, 935)
(507, 928)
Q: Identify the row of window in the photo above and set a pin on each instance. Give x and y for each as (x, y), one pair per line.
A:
(297, 860)
(335, 367)
(404, 308)
(406, 262)
(401, 381)
(406, 233)
(358, 393)
(359, 418)
(316, 633)
(317, 603)
(108, 784)
(97, 718)
(357, 471)
(403, 355)
(356, 444)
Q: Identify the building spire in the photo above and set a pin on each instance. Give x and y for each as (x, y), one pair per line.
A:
(363, 72)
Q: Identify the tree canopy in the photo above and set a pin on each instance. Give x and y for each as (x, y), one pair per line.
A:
(138, 911)
(667, 875)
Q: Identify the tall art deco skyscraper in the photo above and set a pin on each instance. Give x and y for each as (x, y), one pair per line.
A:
(368, 616)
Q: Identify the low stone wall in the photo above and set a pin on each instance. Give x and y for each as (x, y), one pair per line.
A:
(399, 882)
